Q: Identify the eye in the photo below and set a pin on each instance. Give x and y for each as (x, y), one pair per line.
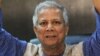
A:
(57, 22)
(43, 23)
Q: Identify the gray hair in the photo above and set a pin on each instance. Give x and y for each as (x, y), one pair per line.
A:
(49, 4)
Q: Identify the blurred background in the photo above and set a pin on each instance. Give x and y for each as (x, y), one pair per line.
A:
(18, 17)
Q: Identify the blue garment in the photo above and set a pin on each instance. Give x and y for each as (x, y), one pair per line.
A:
(10, 45)
(91, 47)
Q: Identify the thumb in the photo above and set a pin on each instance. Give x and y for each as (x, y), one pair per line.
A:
(97, 5)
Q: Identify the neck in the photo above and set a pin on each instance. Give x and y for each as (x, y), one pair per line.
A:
(54, 51)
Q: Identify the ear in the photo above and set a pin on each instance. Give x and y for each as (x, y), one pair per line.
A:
(35, 30)
(66, 29)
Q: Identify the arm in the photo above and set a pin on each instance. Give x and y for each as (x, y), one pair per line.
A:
(91, 47)
(9, 45)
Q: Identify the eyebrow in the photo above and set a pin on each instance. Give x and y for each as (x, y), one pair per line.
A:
(58, 19)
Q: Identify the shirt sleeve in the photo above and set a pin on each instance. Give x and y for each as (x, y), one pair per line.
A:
(91, 47)
(10, 45)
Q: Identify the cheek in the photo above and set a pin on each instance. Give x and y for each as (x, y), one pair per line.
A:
(40, 33)
(40, 30)
(61, 32)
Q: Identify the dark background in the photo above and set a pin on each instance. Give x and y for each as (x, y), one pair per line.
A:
(18, 17)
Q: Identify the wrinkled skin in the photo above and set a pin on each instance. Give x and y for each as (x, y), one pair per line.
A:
(51, 29)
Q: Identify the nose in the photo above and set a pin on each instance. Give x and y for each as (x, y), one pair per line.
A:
(49, 27)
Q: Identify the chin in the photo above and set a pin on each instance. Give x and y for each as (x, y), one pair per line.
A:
(51, 45)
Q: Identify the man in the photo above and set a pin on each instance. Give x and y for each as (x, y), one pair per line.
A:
(50, 23)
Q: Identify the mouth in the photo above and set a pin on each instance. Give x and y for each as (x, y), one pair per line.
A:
(51, 36)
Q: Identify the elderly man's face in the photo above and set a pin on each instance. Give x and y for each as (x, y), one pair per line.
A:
(51, 28)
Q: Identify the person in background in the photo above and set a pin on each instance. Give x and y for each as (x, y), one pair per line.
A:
(50, 23)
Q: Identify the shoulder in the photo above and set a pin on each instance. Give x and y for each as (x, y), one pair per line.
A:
(74, 50)
(31, 49)
(78, 48)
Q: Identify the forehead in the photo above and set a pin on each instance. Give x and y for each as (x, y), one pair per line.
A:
(50, 13)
